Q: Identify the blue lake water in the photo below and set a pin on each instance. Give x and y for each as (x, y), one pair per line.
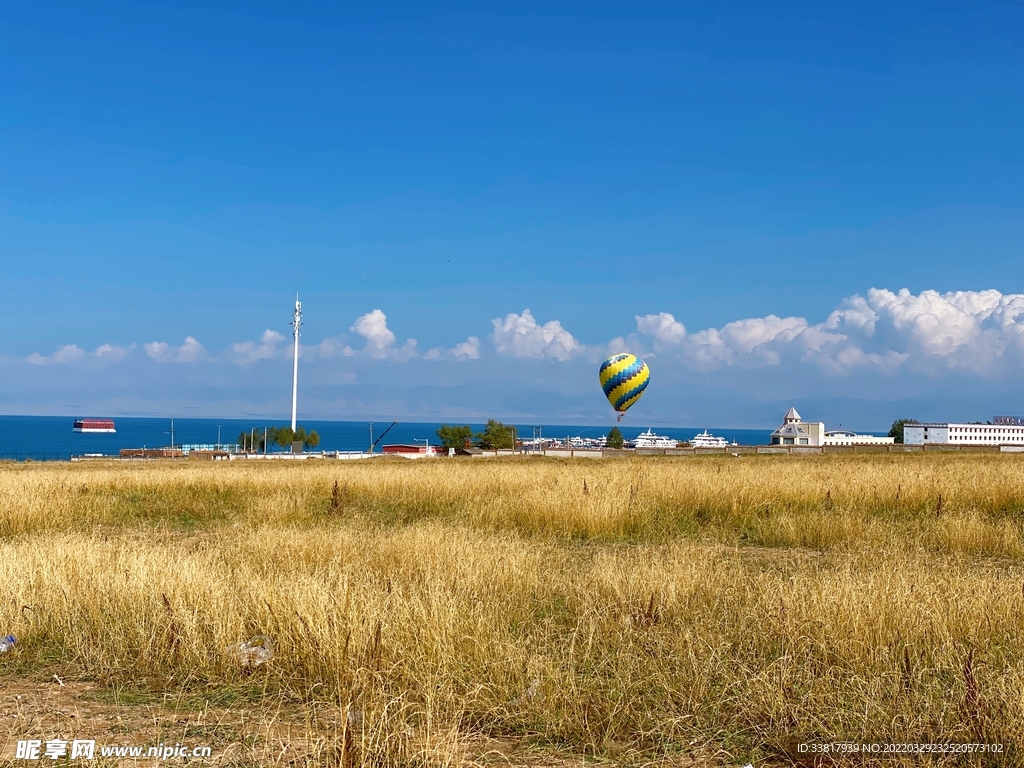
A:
(52, 438)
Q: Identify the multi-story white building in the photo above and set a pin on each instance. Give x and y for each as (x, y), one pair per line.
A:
(963, 434)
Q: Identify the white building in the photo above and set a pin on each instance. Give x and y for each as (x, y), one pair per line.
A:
(796, 431)
(963, 434)
(840, 437)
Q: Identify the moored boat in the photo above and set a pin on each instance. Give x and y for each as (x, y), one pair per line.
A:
(94, 425)
(650, 440)
(707, 440)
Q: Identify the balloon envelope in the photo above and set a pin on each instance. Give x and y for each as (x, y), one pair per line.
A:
(624, 378)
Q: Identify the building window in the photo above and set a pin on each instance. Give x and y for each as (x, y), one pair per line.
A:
(787, 441)
(803, 441)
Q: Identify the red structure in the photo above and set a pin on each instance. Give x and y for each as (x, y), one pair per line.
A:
(94, 425)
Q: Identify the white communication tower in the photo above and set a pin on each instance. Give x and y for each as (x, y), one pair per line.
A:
(296, 323)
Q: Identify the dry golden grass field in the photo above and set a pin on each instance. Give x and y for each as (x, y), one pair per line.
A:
(654, 610)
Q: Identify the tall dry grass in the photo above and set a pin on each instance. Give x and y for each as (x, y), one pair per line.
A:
(628, 608)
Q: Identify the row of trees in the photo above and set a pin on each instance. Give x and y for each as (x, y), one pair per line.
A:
(495, 435)
(282, 436)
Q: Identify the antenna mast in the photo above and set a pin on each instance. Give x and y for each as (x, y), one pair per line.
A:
(296, 323)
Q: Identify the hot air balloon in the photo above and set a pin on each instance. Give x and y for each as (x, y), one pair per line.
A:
(624, 378)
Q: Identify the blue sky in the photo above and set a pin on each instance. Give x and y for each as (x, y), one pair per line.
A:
(176, 171)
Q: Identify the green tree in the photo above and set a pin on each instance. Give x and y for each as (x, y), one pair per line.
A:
(308, 440)
(497, 435)
(614, 438)
(896, 430)
(281, 436)
(454, 436)
(247, 442)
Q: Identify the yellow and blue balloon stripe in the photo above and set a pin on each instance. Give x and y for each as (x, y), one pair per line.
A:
(624, 378)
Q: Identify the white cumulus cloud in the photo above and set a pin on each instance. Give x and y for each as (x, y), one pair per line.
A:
(69, 354)
(976, 331)
(465, 350)
(112, 353)
(190, 351)
(663, 328)
(330, 347)
(750, 343)
(72, 353)
(373, 326)
(980, 333)
(380, 340)
(248, 352)
(523, 337)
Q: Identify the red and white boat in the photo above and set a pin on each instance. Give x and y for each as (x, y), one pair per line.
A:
(94, 425)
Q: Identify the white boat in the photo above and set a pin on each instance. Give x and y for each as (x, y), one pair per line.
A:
(707, 440)
(588, 442)
(650, 440)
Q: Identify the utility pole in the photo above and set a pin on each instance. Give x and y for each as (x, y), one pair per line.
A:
(218, 437)
(296, 323)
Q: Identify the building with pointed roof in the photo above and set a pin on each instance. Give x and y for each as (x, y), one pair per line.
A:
(795, 431)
